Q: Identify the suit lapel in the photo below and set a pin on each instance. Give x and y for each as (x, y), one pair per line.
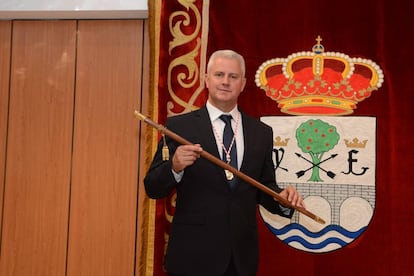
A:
(207, 139)
(248, 135)
(208, 142)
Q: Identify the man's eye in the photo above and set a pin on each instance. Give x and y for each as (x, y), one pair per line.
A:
(218, 74)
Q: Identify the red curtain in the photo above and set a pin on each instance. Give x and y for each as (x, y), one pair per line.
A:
(379, 30)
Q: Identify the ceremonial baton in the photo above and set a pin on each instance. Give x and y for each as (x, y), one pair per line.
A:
(226, 166)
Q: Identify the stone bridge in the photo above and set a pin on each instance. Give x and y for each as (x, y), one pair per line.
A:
(335, 195)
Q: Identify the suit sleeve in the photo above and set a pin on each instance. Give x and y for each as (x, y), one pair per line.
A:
(159, 181)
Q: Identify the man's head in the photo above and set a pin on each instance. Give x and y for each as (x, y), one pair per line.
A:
(225, 79)
(227, 54)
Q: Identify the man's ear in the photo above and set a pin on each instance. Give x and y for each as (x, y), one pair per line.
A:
(206, 80)
(244, 84)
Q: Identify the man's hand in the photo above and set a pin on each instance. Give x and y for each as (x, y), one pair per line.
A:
(292, 195)
(184, 156)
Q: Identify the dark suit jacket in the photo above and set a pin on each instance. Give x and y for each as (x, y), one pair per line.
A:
(213, 222)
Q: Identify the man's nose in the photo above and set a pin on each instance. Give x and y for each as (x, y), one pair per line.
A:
(226, 80)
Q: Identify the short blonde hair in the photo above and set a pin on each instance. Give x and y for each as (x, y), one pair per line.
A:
(227, 54)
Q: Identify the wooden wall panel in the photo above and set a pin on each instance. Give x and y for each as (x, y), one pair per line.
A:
(37, 181)
(5, 42)
(104, 180)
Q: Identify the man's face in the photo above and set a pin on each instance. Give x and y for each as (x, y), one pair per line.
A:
(225, 82)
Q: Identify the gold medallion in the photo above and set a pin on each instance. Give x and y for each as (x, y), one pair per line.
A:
(229, 175)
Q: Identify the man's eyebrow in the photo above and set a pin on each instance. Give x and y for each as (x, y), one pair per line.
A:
(230, 73)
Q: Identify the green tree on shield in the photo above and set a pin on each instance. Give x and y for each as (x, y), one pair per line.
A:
(316, 137)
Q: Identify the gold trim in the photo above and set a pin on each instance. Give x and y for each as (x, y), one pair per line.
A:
(194, 78)
(326, 101)
(375, 76)
(154, 14)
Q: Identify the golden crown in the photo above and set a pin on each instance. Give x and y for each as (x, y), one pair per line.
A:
(355, 143)
(278, 142)
(318, 82)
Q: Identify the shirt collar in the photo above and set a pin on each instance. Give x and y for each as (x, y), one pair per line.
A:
(215, 113)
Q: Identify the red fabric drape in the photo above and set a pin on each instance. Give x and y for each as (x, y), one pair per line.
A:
(379, 30)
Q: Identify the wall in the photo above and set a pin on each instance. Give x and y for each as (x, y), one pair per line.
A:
(41, 9)
(70, 146)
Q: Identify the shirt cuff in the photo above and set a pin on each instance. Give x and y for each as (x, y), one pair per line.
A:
(178, 176)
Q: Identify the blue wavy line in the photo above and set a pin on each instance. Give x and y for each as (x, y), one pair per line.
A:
(315, 246)
(331, 227)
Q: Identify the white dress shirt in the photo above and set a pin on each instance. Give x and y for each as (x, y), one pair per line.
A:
(218, 129)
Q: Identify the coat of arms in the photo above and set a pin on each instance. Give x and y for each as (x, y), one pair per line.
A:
(328, 157)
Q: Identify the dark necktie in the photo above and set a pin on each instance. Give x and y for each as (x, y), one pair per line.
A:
(227, 139)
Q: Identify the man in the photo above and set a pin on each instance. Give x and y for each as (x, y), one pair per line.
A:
(214, 229)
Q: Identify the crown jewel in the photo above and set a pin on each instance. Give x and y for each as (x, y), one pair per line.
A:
(319, 82)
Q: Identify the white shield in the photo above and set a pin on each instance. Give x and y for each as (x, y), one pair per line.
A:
(331, 162)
